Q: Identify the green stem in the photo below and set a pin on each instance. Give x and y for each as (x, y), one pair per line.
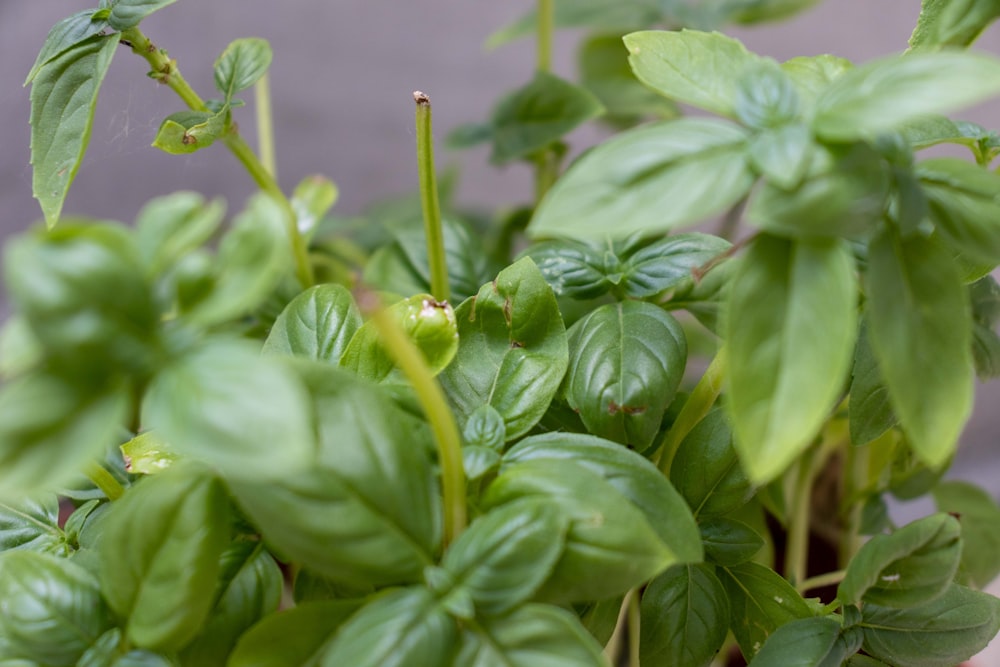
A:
(855, 476)
(634, 628)
(103, 480)
(546, 26)
(165, 70)
(821, 580)
(429, 199)
(265, 124)
(797, 549)
(697, 406)
(432, 400)
(546, 173)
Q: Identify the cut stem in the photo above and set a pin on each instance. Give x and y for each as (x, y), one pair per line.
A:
(104, 481)
(265, 124)
(429, 199)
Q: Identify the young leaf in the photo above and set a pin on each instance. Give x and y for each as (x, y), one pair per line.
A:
(610, 546)
(807, 642)
(648, 180)
(242, 63)
(941, 633)
(490, 563)
(32, 524)
(313, 197)
(765, 97)
(920, 328)
(63, 99)
(944, 23)
(66, 34)
(168, 228)
(512, 350)
(402, 628)
(979, 517)
(188, 131)
(729, 542)
(537, 115)
(886, 93)
(572, 268)
(532, 635)
(706, 470)
(783, 154)
(293, 637)
(914, 564)
(163, 585)
(669, 263)
(626, 362)
(317, 324)
(127, 14)
(869, 407)
(51, 610)
(698, 68)
(790, 330)
(685, 618)
(147, 454)
(964, 206)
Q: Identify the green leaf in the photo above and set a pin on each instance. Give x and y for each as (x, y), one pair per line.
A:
(631, 474)
(66, 34)
(808, 642)
(964, 204)
(107, 652)
(147, 454)
(702, 69)
(626, 362)
(791, 329)
(929, 131)
(317, 324)
(914, 564)
(783, 154)
(313, 197)
(869, 407)
(944, 23)
(366, 510)
(402, 628)
(605, 72)
(939, 633)
(729, 542)
(533, 635)
(979, 517)
(188, 131)
(224, 404)
(19, 350)
(242, 63)
(127, 14)
(813, 74)
(685, 618)
(512, 350)
(168, 228)
(765, 97)
(32, 524)
(755, 11)
(886, 93)
(293, 637)
(249, 589)
(760, 603)
(51, 610)
(626, 15)
(670, 263)
(649, 180)
(573, 268)
(706, 470)
(506, 554)
(176, 525)
(63, 99)
(920, 328)
(610, 546)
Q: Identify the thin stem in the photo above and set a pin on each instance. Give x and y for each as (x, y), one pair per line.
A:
(614, 646)
(797, 549)
(265, 124)
(165, 70)
(697, 406)
(432, 400)
(429, 199)
(855, 474)
(546, 26)
(821, 580)
(546, 173)
(634, 628)
(104, 481)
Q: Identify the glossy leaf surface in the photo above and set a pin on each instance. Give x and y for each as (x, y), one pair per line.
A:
(32, 524)
(808, 642)
(309, 624)
(729, 542)
(317, 324)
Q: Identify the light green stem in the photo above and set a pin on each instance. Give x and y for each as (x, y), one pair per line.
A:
(166, 72)
(855, 476)
(821, 580)
(429, 199)
(432, 400)
(546, 26)
(634, 628)
(797, 549)
(697, 406)
(265, 124)
(104, 481)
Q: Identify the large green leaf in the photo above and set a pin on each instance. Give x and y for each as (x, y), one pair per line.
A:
(685, 618)
(512, 350)
(698, 68)
(729, 542)
(914, 564)
(534, 635)
(465, 256)
(626, 362)
(884, 94)
(294, 637)
(630, 473)
(610, 546)
(868, 407)
(317, 324)
(366, 510)
(921, 332)
(647, 180)
(160, 548)
(51, 610)
(573, 268)
(242, 63)
(67, 33)
(979, 517)
(224, 404)
(128, 13)
(32, 524)
(63, 99)
(945, 23)
(941, 633)
(964, 204)
(402, 628)
(790, 331)
(807, 642)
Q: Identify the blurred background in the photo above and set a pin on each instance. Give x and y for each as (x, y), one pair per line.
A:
(342, 79)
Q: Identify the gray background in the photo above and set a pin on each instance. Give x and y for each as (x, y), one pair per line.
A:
(341, 79)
